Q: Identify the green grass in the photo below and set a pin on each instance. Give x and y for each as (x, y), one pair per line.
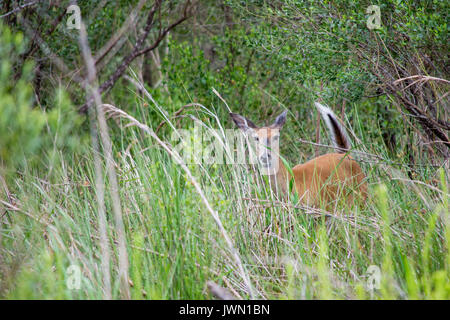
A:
(175, 247)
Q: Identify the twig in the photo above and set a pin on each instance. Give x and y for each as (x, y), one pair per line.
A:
(423, 183)
(100, 54)
(29, 215)
(308, 210)
(176, 114)
(20, 7)
(137, 50)
(421, 78)
(220, 97)
(46, 50)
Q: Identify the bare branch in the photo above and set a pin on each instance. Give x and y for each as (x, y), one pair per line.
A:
(137, 50)
(60, 64)
(20, 7)
(128, 59)
(421, 78)
(115, 38)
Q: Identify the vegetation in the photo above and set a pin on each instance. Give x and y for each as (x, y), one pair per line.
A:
(179, 65)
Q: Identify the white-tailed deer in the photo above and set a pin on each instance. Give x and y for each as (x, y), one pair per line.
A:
(321, 181)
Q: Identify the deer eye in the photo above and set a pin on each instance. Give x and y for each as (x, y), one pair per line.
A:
(276, 137)
(256, 138)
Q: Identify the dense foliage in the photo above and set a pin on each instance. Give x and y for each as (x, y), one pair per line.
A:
(256, 58)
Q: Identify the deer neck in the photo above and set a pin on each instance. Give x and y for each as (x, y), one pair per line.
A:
(279, 180)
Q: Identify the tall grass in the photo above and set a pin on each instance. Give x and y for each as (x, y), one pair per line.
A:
(174, 245)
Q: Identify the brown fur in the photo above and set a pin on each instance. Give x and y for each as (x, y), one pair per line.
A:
(324, 180)
(321, 182)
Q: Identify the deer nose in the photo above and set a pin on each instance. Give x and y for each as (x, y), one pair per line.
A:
(265, 158)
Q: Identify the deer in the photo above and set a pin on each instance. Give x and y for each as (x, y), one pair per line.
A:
(319, 182)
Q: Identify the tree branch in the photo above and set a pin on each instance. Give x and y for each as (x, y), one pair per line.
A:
(20, 7)
(117, 35)
(137, 50)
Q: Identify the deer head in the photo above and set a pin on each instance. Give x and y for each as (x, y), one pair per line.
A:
(265, 140)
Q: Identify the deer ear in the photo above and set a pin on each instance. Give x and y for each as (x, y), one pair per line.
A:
(242, 123)
(280, 120)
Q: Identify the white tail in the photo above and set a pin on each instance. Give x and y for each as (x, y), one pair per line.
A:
(319, 181)
(339, 136)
